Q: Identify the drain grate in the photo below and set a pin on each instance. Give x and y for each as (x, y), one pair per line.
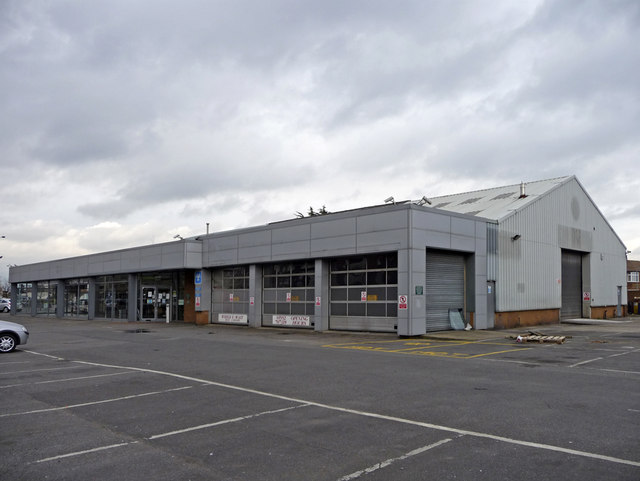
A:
(137, 331)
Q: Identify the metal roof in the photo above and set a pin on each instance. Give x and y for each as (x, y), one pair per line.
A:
(498, 202)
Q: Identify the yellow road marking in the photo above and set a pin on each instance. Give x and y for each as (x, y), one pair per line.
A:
(424, 348)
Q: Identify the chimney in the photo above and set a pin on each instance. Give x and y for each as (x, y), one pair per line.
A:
(523, 193)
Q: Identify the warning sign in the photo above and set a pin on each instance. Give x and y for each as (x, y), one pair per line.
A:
(402, 302)
(586, 296)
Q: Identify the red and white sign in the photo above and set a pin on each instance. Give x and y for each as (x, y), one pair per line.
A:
(232, 318)
(252, 300)
(586, 296)
(230, 297)
(318, 301)
(288, 297)
(197, 301)
(282, 320)
(363, 296)
(402, 302)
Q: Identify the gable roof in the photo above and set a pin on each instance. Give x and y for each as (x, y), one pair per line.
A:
(498, 202)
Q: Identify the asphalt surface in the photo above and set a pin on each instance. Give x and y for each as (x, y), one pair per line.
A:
(114, 400)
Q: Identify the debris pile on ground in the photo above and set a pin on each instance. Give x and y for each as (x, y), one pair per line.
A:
(533, 336)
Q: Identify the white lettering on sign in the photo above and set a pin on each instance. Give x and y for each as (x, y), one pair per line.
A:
(363, 295)
(288, 297)
(318, 301)
(587, 296)
(282, 320)
(232, 318)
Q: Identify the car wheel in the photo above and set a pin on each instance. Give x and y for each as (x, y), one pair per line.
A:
(6, 309)
(7, 343)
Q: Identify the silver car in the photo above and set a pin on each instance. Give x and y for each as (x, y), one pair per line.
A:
(5, 305)
(12, 335)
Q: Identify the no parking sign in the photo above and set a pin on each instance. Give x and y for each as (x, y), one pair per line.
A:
(402, 302)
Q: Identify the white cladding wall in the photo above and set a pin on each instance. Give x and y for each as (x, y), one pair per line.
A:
(530, 267)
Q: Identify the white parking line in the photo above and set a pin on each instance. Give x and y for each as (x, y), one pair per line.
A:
(172, 433)
(586, 362)
(388, 462)
(66, 379)
(548, 447)
(41, 370)
(86, 451)
(93, 403)
(225, 421)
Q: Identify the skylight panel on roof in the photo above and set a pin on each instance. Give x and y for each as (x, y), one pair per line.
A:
(441, 204)
(504, 196)
(471, 201)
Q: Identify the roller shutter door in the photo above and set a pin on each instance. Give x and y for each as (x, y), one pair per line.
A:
(571, 285)
(444, 287)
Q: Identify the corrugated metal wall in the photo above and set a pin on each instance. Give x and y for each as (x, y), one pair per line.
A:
(529, 267)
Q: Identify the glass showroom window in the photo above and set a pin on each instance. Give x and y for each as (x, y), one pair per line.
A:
(112, 293)
(76, 297)
(47, 298)
(230, 290)
(24, 297)
(289, 288)
(365, 286)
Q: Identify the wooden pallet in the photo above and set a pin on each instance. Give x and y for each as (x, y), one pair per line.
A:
(539, 338)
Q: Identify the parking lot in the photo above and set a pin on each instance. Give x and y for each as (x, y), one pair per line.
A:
(115, 400)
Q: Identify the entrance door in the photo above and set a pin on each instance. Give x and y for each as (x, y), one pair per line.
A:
(571, 285)
(162, 302)
(148, 302)
(154, 302)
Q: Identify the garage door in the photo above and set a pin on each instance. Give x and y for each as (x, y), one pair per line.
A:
(444, 287)
(571, 285)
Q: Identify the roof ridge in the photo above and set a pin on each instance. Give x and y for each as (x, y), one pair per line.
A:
(562, 178)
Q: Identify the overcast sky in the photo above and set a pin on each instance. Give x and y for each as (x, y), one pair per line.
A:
(126, 122)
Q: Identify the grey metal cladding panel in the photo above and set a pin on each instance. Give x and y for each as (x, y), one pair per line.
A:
(345, 245)
(193, 246)
(466, 227)
(112, 266)
(432, 221)
(148, 251)
(193, 260)
(481, 246)
(172, 260)
(148, 262)
(291, 234)
(222, 258)
(252, 239)
(481, 230)
(333, 228)
(289, 249)
(438, 240)
(382, 222)
(130, 264)
(463, 243)
(254, 254)
(221, 243)
(385, 240)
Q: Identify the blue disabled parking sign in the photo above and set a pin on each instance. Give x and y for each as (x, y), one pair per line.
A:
(198, 278)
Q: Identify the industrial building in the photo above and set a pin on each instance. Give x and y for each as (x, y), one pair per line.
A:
(497, 258)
